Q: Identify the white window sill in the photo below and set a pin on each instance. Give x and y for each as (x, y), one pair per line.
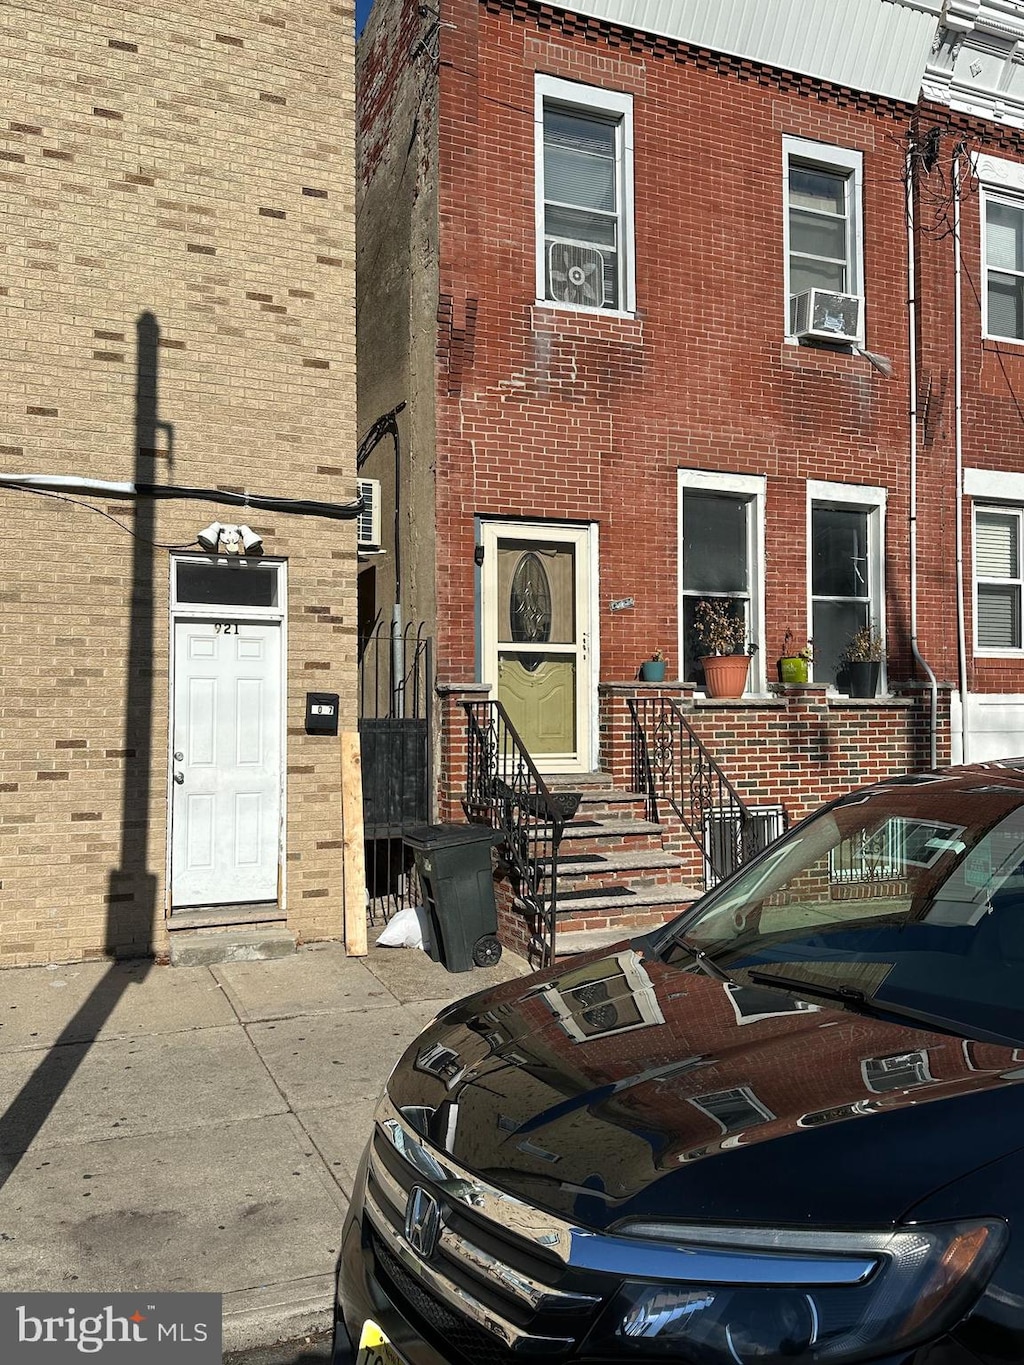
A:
(559, 307)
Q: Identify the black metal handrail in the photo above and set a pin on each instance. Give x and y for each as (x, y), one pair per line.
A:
(671, 764)
(504, 789)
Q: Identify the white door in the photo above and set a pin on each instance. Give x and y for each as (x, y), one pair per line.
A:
(226, 762)
(538, 650)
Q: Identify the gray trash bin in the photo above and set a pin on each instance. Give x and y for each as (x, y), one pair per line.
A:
(454, 866)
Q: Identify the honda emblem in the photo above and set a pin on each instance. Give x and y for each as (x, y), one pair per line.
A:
(422, 1221)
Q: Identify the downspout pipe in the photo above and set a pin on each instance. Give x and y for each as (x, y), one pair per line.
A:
(961, 630)
(933, 686)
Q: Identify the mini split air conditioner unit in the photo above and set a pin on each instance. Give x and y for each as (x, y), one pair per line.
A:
(576, 274)
(368, 521)
(820, 315)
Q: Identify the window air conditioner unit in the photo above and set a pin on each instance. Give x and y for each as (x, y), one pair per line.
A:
(824, 316)
(576, 274)
(368, 521)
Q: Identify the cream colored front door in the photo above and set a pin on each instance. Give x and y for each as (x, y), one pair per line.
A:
(537, 637)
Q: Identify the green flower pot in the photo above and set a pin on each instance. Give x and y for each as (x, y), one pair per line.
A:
(793, 670)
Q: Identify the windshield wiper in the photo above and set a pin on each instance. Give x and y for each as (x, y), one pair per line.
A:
(707, 964)
(858, 1000)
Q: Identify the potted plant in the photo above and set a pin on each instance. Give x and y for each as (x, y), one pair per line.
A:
(721, 634)
(653, 669)
(794, 664)
(863, 657)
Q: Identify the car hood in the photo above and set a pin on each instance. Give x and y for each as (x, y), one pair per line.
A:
(627, 1087)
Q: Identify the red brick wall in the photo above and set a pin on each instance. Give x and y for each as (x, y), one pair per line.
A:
(547, 413)
(992, 378)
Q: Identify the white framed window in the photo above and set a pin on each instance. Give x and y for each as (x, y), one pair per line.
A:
(822, 220)
(998, 580)
(846, 532)
(1002, 246)
(584, 196)
(721, 555)
(1003, 266)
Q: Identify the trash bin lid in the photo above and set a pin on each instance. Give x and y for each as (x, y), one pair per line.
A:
(448, 836)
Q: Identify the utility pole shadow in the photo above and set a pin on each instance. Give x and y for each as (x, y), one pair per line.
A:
(131, 889)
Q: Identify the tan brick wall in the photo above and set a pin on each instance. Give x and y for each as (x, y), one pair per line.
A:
(193, 163)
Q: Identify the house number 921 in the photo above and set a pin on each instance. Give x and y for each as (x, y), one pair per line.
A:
(226, 627)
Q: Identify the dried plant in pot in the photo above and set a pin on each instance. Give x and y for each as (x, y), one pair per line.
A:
(721, 634)
(653, 669)
(862, 661)
(794, 666)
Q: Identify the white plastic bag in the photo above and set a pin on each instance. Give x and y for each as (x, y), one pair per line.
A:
(407, 929)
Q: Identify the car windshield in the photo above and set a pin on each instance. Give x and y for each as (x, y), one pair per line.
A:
(910, 896)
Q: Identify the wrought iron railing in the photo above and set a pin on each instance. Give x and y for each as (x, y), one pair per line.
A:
(395, 689)
(504, 789)
(673, 767)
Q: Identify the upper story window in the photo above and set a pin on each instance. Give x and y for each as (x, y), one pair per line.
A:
(584, 144)
(1004, 268)
(823, 233)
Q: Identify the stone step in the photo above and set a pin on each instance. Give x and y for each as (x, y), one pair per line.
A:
(614, 803)
(585, 940)
(587, 830)
(629, 909)
(579, 870)
(209, 946)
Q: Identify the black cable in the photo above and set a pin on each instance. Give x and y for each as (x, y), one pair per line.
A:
(301, 507)
(76, 502)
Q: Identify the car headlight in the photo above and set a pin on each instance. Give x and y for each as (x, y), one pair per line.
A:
(774, 1295)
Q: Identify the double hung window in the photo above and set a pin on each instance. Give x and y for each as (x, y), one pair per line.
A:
(846, 588)
(721, 532)
(998, 579)
(1004, 267)
(823, 235)
(584, 145)
(1002, 245)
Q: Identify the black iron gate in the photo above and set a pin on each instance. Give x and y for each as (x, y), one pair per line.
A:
(395, 696)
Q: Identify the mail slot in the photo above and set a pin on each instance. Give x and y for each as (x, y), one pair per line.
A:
(321, 713)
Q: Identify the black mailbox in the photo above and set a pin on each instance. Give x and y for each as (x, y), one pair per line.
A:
(321, 713)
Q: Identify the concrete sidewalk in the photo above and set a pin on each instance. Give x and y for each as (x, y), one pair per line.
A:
(199, 1127)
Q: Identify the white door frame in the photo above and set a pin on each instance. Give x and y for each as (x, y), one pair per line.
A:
(584, 536)
(207, 611)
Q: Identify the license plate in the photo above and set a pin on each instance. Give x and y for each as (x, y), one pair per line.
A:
(374, 1347)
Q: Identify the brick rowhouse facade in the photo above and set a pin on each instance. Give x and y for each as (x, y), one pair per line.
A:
(176, 308)
(545, 413)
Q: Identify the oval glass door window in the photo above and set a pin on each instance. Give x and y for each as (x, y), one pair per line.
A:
(530, 606)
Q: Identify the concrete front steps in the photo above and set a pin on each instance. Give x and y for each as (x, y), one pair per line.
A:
(615, 878)
(230, 933)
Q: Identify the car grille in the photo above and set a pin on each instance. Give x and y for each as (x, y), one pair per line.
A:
(456, 1332)
(488, 1294)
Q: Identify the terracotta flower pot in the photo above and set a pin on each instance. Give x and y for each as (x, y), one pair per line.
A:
(725, 674)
